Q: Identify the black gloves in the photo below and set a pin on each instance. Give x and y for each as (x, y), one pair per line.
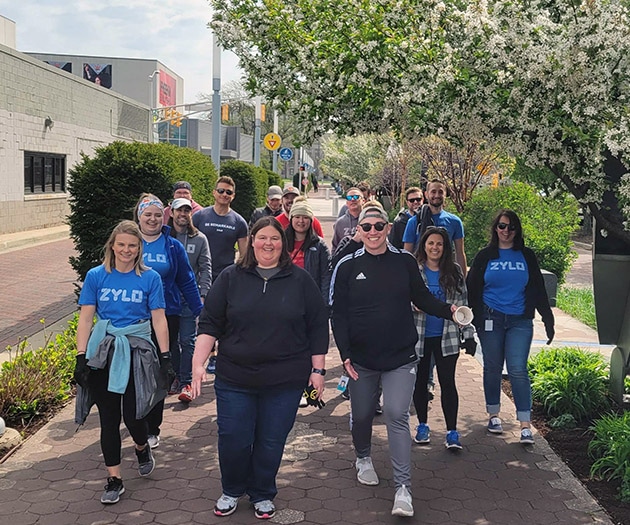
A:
(550, 331)
(310, 394)
(166, 369)
(469, 345)
(81, 371)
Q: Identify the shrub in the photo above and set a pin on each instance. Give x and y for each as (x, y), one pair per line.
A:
(570, 381)
(251, 186)
(547, 223)
(104, 189)
(273, 179)
(34, 381)
(610, 447)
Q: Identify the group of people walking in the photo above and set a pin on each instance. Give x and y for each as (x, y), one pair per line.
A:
(171, 305)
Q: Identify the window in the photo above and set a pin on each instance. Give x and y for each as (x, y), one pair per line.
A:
(44, 173)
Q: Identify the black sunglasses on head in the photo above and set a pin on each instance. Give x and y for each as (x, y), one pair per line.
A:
(416, 199)
(221, 191)
(503, 226)
(379, 226)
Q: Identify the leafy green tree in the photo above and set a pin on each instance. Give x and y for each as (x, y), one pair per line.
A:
(547, 223)
(104, 189)
(547, 82)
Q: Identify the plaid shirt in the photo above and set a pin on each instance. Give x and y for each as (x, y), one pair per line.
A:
(451, 332)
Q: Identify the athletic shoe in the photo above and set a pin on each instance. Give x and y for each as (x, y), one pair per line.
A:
(366, 475)
(264, 510)
(185, 396)
(430, 391)
(452, 440)
(225, 505)
(346, 394)
(113, 490)
(174, 388)
(146, 463)
(423, 434)
(379, 409)
(153, 441)
(495, 426)
(403, 504)
(212, 365)
(527, 438)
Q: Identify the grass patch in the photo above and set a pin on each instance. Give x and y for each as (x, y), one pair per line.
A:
(578, 303)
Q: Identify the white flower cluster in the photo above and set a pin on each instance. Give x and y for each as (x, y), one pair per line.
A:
(548, 81)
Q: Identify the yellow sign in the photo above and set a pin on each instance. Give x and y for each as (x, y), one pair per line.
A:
(272, 141)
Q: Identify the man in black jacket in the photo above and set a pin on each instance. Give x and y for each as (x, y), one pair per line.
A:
(374, 330)
(413, 199)
(273, 206)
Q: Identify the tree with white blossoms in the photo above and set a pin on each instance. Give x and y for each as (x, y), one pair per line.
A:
(547, 81)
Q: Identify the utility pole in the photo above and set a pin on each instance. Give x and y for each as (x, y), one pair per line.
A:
(274, 158)
(216, 103)
(257, 125)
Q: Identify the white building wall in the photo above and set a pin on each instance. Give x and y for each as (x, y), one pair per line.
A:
(7, 32)
(85, 116)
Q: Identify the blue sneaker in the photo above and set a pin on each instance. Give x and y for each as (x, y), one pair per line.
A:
(423, 434)
(495, 426)
(452, 440)
(527, 438)
(212, 364)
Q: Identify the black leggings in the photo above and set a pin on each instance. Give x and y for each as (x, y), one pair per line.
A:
(446, 375)
(155, 417)
(110, 411)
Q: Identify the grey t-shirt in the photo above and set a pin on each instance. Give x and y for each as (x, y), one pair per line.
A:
(222, 232)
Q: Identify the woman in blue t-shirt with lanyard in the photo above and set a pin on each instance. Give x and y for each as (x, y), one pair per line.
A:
(505, 287)
(116, 359)
(167, 256)
(437, 337)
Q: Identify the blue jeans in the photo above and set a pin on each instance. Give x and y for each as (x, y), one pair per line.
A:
(253, 427)
(509, 341)
(187, 337)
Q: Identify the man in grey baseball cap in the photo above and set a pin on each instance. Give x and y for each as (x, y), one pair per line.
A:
(273, 206)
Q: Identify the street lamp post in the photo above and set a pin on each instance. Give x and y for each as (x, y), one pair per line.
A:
(216, 103)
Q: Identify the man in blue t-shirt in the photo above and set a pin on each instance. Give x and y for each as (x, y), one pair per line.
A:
(434, 196)
(223, 227)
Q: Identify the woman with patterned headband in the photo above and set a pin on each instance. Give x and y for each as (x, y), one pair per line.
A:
(167, 256)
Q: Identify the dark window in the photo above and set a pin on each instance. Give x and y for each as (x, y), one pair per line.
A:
(44, 173)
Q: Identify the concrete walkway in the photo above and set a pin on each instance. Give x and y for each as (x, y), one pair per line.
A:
(57, 476)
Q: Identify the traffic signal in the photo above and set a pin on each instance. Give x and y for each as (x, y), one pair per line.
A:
(174, 115)
(178, 120)
(167, 113)
(225, 112)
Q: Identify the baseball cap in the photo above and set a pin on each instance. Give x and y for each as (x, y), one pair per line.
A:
(290, 190)
(274, 192)
(182, 185)
(375, 212)
(178, 203)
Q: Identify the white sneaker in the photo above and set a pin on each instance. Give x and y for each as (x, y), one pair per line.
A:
(403, 504)
(366, 474)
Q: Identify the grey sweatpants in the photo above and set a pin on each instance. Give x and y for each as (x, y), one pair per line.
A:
(398, 385)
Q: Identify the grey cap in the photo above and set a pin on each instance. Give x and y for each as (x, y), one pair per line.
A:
(374, 212)
(178, 203)
(274, 192)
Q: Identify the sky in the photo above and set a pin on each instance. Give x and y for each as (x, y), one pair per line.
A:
(172, 31)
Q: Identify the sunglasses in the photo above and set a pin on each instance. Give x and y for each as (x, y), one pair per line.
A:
(379, 226)
(353, 197)
(417, 199)
(440, 229)
(503, 226)
(221, 191)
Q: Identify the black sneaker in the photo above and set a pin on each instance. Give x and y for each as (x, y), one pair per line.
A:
(113, 490)
(146, 463)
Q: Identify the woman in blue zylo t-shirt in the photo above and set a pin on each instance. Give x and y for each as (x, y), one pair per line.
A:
(505, 287)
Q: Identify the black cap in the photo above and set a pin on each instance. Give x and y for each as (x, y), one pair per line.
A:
(182, 184)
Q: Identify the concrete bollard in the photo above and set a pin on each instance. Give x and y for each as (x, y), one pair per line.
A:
(335, 207)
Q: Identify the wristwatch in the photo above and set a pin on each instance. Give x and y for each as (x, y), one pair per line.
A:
(320, 371)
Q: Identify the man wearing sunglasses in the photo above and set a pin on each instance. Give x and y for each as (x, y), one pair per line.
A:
(435, 195)
(375, 333)
(413, 200)
(346, 225)
(223, 227)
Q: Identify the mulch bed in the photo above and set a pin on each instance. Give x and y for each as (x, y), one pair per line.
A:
(572, 447)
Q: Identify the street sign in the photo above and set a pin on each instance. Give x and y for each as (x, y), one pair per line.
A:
(285, 153)
(272, 141)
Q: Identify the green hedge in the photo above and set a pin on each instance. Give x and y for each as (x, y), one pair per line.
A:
(251, 186)
(105, 188)
(547, 223)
